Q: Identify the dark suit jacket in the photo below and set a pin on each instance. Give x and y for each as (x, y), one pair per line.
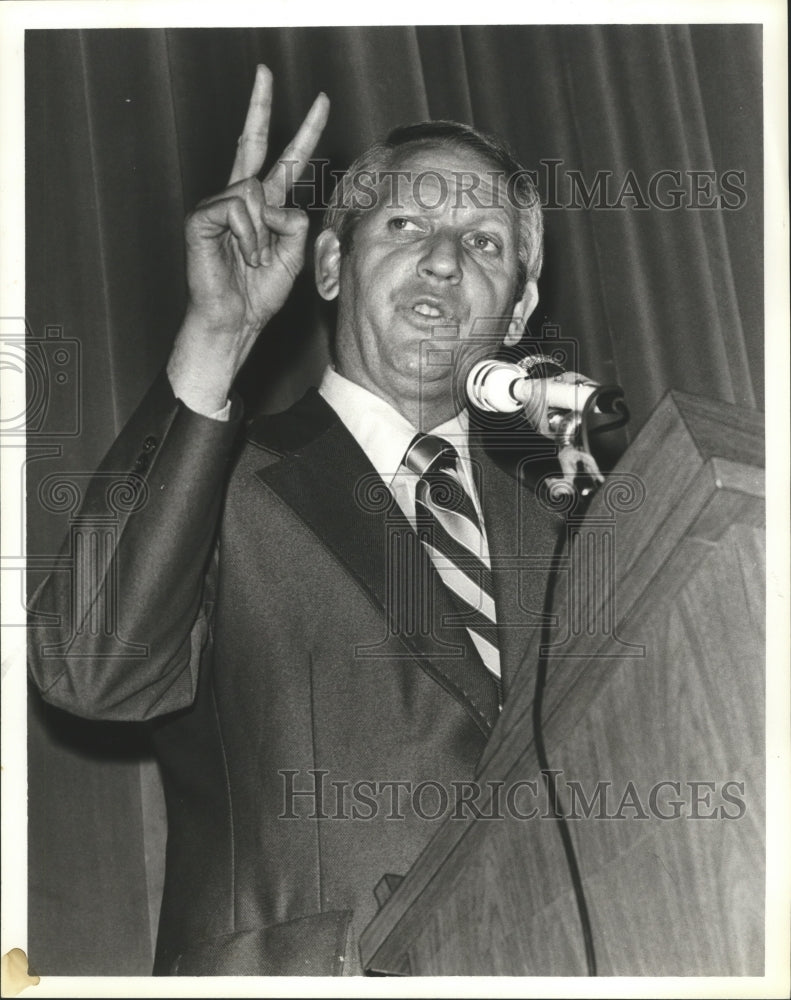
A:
(265, 627)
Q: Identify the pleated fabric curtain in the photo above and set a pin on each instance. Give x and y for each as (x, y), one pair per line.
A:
(128, 129)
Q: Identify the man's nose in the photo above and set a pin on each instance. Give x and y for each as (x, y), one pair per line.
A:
(441, 259)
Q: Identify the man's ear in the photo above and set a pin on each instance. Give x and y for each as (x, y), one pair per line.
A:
(521, 312)
(327, 256)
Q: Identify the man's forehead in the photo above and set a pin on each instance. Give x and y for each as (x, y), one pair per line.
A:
(433, 175)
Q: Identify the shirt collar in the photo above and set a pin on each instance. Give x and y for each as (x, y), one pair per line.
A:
(382, 433)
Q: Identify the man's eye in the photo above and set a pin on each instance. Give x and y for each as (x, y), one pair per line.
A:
(479, 241)
(404, 225)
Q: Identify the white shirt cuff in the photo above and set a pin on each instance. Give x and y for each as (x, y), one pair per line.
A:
(223, 414)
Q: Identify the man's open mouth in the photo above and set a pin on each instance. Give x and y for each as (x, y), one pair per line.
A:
(426, 310)
(430, 308)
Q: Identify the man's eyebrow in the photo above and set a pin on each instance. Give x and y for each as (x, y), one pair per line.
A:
(497, 214)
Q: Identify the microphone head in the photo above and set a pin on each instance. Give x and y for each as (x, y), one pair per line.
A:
(489, 385)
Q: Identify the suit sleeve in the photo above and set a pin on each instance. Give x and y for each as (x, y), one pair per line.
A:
(131, 595)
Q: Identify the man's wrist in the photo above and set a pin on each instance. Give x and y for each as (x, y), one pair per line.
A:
(202, 367)
(199, 394)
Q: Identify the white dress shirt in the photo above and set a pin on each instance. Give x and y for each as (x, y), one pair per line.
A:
(384, 435)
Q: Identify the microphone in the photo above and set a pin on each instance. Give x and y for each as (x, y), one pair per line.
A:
(558, 409)
(505, 387)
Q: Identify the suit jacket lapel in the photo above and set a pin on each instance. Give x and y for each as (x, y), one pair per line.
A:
(328, 481)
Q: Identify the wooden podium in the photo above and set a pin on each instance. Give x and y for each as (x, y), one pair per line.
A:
(653, 713)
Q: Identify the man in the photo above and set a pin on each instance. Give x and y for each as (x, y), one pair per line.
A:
(309, 655)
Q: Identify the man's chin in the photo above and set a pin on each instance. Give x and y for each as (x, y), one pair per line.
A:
(441, 368)
(432, 378)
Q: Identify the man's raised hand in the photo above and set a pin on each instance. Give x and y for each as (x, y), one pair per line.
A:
(244, 250)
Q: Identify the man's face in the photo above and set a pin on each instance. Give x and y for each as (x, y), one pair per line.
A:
(433, 260)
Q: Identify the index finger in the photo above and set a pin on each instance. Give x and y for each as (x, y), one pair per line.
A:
(252, 146)
(280, 178)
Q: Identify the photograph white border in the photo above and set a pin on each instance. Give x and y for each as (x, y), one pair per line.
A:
(15, 18)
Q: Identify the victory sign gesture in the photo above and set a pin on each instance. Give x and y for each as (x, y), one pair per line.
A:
(245, 249)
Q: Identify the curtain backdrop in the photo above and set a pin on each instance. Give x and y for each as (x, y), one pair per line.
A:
(127, 129)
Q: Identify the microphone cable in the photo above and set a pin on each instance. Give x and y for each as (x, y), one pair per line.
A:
(549, 777)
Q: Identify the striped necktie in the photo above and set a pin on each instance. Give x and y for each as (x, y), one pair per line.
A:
(450, 529)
